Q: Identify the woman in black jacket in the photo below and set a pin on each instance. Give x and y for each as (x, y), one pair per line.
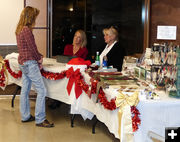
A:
(114, 52)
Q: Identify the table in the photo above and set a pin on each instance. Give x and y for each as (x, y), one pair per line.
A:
(155, 114)
(55, 88)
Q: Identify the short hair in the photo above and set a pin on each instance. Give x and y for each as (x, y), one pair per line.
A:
(27, 18)
(83, 36)
(105, 31)
(111, 31)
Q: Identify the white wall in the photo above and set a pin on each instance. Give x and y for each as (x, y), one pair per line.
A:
(9, 15)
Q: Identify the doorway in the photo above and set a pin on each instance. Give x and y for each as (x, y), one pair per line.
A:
(69, 16)
(93, 16)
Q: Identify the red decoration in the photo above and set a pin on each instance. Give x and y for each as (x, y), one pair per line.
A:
(103, 100)
(53, 76)
(85, 87)
(2, 78)
(74, 77)
(135, 118)
(79, 79)
(79, 61)
(93, 86)
(15, 75)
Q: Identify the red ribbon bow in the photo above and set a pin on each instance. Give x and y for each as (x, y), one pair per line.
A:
(74, 77)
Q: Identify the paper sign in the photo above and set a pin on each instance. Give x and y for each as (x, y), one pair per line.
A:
(166, 32)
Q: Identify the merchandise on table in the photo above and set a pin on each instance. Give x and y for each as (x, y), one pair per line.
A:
(159, 65)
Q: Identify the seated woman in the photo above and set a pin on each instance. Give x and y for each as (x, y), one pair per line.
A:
(78, 47)
(114, 52)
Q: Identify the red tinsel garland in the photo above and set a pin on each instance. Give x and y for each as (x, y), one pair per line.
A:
(15, 75)
(2, 78)
(135, 118)
(84, 85)
(53, 76)
(93, 86)
(103, 100)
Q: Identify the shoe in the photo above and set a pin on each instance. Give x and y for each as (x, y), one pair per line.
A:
(46, 124)
(32, 118)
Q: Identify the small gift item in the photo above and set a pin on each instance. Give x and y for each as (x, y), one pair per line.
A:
(175, 90)
(151, 95)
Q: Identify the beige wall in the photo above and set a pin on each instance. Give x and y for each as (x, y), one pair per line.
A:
(9, 16)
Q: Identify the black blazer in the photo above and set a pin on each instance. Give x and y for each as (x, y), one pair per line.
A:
(115, 56)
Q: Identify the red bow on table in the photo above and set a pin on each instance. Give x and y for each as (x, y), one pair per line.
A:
(74, 77)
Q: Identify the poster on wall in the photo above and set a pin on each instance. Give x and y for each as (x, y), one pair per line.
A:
(166, 32)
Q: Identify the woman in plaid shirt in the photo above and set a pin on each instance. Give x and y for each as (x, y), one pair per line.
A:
(30, 62)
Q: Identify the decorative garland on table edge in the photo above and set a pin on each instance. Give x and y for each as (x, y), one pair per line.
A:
(57, 76)
(103, 100)
(136, 121)
(15, 75)
(53, 76)
(85, 87)
(2, 78)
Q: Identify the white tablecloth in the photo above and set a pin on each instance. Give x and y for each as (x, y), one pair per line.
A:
(155, 114)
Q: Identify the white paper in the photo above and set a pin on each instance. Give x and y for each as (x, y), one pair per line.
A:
(166, 32)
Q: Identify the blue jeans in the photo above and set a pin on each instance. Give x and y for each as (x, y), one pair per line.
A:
(31, 75)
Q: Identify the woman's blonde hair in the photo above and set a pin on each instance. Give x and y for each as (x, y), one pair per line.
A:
(83, 36)
(27, 18)
(111, 31)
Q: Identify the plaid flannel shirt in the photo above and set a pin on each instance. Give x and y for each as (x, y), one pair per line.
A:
(26, 46)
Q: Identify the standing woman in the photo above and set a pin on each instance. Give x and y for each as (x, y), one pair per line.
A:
(30, 62)
(78, 48)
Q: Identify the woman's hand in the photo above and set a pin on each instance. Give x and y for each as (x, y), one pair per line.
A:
(40, 66)
(40, 63)
(41, 60)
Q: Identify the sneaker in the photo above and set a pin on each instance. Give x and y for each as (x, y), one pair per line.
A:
(46, 124)
(32, 118)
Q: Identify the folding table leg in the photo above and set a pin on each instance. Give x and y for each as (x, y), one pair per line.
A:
(94, 125)
(14, 95)
(72, 120)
